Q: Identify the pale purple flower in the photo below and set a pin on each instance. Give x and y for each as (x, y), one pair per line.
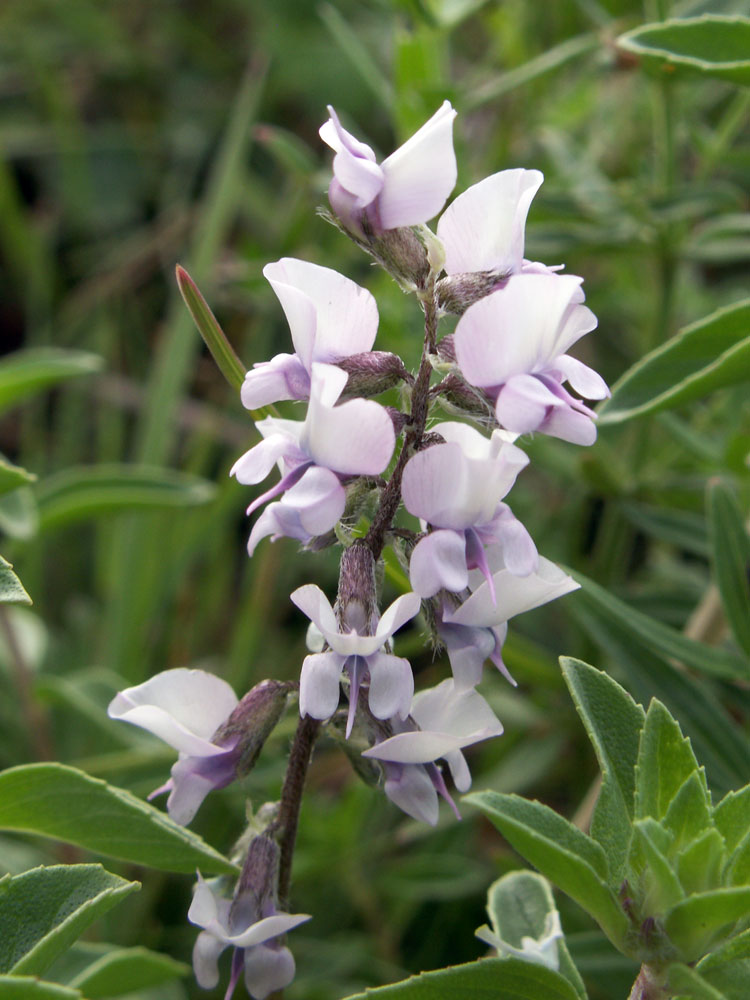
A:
(361, 656)
(185, 708)
(330, 317)
(443, 721)
(252, 927)
(512, 344)
(457, 488)
(331, 444)
(408, 188)
(483, 228)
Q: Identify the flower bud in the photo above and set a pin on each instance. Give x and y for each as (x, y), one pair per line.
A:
(253, 721)
(356, 606)
(371, 372)
(456, 292)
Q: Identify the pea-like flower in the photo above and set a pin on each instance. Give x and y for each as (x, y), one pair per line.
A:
(408, 188)
(512, 344)
(443, 721)
(457, 488)
(391, 683)
(186, 709)
(315, 455)
(250, 924)
(330, 317)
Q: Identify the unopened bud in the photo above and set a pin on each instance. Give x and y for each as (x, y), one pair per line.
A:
(371, 372)
(356, 605)
(457, 292)
(253, 721)
(255, 894)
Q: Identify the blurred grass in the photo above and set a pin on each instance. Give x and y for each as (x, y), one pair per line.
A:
(137, 135)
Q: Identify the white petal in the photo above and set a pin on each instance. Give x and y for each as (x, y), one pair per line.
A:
(182, 707)
(402, 610)
(391, 685)
(464, 714)
(255, 465)
(483, 229)
(312, 602)
(515, 594)
(459, 770)
(515, 330)
(411, 789)
(584, 380)
(318, 498)
(209, 910)
(523, 404)
(206, 953)
(335, 135)
(340, 318)
(319, 685)
(283, 377)
(569, 425)
(355, 438)
(421, 174)
(267, 928)
(439, 562)
(268, 970)
(414, 748)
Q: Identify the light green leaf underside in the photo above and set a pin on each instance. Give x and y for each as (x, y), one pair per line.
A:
(11, 589)
(708, 355)
(58, 801)
(30, 988)
(711, 45)
(126, 970)
(488, 979)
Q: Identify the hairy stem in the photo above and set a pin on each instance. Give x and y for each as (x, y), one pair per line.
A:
(648, 985)
(285, 826)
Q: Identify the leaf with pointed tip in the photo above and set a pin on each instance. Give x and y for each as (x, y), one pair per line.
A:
(665, 761)
(732, 816)
(711, 45)
(613, 722)
(487, 979)
(568, 858)
(699, 864)
(126, 970)
(695, 924)
(31, 988)
(58, 801)
(738, 867)
(649, 869)
(708, 355)
(518, 905)
(689, 812)
(11, 589)
(44, 910)
(214, 337)
(730, 545)
(27, 372)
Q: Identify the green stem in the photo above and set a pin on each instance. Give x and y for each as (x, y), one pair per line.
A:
(649, 985)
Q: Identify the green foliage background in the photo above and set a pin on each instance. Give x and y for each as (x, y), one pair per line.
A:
(138, 135)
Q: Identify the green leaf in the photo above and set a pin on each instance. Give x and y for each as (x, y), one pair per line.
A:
(18, 513)
(214, 337)
(31, 988)
(694, 924)
(731, 559)
(92, 491)
(684, 980)
(44, 910)
(488, 979)
(11, 588)
(689, 812)
(727, 967)
(732, 817)
(613, 722)
(721, 745)
(708, 355)
(127, 970)
(738, 867)
(699, 864)
(519, 905)
(711, 45)
(12, 476)
(665, 761)
(662, 639)
(61, 802)
(649, 870)
(27, 372)
(567, 857)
